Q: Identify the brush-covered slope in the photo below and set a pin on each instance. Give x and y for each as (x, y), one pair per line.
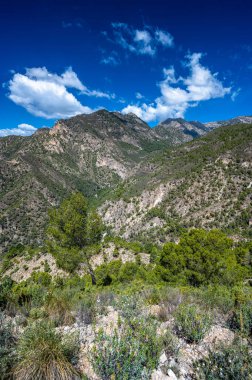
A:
(203, 183)
(88, 153)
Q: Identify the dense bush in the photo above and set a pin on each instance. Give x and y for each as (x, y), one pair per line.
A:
(68, 259)
(191, 323)
(201, 258)
(72, 228)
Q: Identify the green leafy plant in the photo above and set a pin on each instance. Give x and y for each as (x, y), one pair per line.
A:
(241, 319)
(191, 323)
(132, 352)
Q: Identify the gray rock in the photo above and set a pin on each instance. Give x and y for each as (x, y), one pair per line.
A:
(159, 375)
(171, 375)
(163, 359)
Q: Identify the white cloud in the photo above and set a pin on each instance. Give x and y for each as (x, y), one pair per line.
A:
(235, 94)
(68, 79)
(178, 94)
(46, 94)
(141, 42)
(143, 36)
(21, 130)
(100, 94)
(44, 98)
(164, 38)
(139, 95)
(144, 42)
(110, 60)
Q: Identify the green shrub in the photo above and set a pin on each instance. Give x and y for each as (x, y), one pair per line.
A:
(86, 310)
(7, 349)
(68, 259)
(202, 258)
(37, 313)
(5, 290)
(191, 323)
(128, 272)
(130, 353)
(229, 363)
(217, 297)
(59, 305)
(106, 274)
(170, 344)
(44, 354)
(14, 251)
(42, 278)
(130, 307)
(241, 319)
(28, 294)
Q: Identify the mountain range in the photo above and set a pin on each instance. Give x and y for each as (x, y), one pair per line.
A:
(158, 180)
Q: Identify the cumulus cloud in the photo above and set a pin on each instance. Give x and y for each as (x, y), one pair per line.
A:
(139, 41)
(68, 79)
(46, 94)
(178, 94)
(44, 98)
(21, 130)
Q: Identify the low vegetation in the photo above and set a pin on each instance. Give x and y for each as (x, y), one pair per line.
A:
(191, 285)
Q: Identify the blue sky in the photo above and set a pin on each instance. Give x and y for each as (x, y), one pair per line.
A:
(158, 59)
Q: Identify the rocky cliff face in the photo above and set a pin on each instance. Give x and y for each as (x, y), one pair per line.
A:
(180, 130)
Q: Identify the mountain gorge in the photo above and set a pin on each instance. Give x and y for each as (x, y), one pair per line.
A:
(109, 155)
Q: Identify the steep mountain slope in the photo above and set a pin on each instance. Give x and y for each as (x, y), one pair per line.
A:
(203, 183)
(86, 153)
(96, 153)
(179, 130)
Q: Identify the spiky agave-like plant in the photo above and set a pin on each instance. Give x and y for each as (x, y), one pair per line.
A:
(43, 354)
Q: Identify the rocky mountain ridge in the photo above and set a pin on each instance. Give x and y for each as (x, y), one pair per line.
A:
(233, 121)
(94, 154)
(88, 153)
